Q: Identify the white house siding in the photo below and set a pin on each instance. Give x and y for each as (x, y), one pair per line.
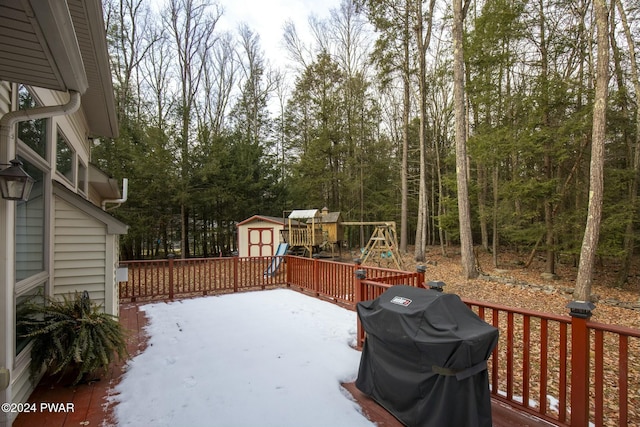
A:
(21, 385)
(80, 254)
(5, 97)
(29, 235)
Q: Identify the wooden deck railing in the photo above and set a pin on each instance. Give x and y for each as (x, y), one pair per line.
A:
(334, 280)
(171, 278)
(567, 370)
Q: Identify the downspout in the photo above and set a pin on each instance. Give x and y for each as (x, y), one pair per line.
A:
(9, 120)
(125, 191)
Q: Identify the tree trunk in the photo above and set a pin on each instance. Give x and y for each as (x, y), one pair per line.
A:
(633, 200)
(422, 39)
(406, 111)
(596, 175)
(469, 270)
(483, 191)
(419, 253)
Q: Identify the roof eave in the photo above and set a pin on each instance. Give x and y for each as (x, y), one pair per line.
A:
(109, 122)
(57, 33)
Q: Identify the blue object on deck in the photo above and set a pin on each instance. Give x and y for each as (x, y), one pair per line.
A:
(276, 260)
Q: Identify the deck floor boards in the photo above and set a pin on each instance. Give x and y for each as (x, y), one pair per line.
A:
(93, 408)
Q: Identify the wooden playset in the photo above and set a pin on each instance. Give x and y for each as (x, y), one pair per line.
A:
(325, 231)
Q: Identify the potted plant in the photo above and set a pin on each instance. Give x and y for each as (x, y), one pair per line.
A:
(71, 336)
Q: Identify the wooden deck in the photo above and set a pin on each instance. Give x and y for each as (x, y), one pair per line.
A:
(91, 406)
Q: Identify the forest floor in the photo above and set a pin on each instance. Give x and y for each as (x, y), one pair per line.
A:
(513, 285)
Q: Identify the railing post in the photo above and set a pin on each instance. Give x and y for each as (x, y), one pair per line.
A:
(580, 312)
(171, 258)
(436, 285)
(288, 259)
(421, 269)
(360, 275)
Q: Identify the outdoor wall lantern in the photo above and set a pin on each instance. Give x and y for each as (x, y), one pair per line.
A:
(15, 183)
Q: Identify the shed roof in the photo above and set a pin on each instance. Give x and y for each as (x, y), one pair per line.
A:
(272, 219)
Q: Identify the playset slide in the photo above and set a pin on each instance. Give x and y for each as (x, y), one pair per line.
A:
(277, 260)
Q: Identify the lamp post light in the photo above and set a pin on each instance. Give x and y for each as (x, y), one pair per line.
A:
(15, 183)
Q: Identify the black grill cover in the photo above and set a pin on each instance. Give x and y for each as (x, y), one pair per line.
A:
(425, 358)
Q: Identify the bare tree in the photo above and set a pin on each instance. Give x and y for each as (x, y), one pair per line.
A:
(349, 36)
(128, 21)
(469, 269)
(191, 24)
(348, 32)
(423, 39)
(220, 76)
(299, 52)
(392, 55)
(582, 290)
(156, 77)
(258, 83)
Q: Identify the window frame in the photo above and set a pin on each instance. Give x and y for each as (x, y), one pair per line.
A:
(71, 175)
(82, 176)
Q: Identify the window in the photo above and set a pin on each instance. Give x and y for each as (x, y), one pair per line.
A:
(64, 157)
(30, 216)
(35, 295)
(30, 227)
(32, 132)
(82, 178)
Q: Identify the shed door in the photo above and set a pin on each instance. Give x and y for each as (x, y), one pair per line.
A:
(261, 242)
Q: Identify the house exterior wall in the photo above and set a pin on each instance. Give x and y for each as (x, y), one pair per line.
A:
(48, 244)
(79, 249)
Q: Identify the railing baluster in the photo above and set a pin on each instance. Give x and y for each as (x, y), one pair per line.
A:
(623, 378)
(564, 345)
(526, 359)
(598, 383)
(495, 384)
(509, 356)
(544, 343)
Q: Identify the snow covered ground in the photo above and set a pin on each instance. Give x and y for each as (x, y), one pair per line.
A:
(268, 358)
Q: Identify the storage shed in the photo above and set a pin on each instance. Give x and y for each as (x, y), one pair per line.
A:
(259, 235)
